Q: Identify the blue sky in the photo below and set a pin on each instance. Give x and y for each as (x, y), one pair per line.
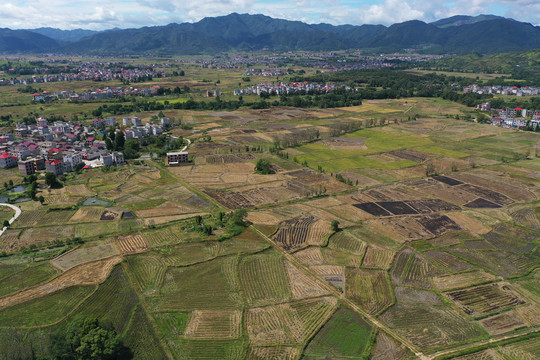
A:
(106, 14)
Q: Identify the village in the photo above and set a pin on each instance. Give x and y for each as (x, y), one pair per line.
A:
(96, 94)
(285, 88)
(502, 90)
(87, 71)
(66, 146)
(516, 118)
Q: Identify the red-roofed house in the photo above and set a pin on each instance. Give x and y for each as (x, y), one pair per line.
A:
(54, 166)
(7, 161)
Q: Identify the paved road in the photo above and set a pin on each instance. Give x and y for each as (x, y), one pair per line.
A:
(17, 214)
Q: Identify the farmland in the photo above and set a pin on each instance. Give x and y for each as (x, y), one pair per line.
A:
(350, 248)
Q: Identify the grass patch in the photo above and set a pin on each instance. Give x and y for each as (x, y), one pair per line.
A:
(345, 335)
(145, 205)
(26, 278)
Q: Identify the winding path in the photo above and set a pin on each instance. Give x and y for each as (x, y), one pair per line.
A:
(17, 214)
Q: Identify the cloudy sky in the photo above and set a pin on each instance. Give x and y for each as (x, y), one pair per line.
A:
(106, 14)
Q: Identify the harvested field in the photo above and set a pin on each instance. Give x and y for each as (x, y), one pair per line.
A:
(412, 296)
(310, 256)
(450, 262)
(109, 214)
(263, 217)
(302, 231)
(413, 270)
(87, 274)
(482, 204)
(131, 244)
(487, 194)
(501, 263)
(412, 155)
(499, 185)
(516, 244)
(463, 280)
(373, 209)
(377, 257)
(347, 242)
(162, 236)
(447, 180)
(79, 190)
(332, 274)
(229, 158)
(274, 352)
(523, 350)
(369, 288)
(39, 235)
(288, 323)
(214, 324)
(264, 279)
(468, 223)
(397, 207)
(451, 194)
(86, 214)
(530, 314)
(527, 218)
(302, 286)
(399, 229)
(83, 255)
(430, 327)
(342, 258)
(502, 323)
(485, 299)
(438, 224)
(387, 348)
(9, 240)
(431, 205)
(489, 354)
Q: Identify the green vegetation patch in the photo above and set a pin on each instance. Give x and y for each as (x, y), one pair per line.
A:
(172, 324)
(147, 270)
(141, 339)
(28, 277)
(45, 310)
(208, 349)
(112, 303)
(345, 335)
(146, 204)
(205, 286)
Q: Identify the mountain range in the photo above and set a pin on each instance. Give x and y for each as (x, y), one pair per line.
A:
(482, 34)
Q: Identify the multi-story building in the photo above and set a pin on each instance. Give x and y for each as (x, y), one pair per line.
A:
(177, 158)
(54, 166)
(7, 161)
(118, 158)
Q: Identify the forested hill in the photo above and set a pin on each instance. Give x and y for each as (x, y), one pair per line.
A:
(483, 34)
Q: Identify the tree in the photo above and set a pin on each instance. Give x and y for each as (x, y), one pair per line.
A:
(334, 225)
(88, 339)
(119, 141)
(41, 199)
(237, 217)
(430, 170)
(263, 166)
(52, 181)
(5, 224)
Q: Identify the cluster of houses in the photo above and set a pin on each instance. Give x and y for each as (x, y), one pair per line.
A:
(89, 71)
(62, 146)
(517, 118)
(285, 88)
(97, 94)
(502, 90)
(266, 72)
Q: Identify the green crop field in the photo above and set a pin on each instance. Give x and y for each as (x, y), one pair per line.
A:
(46, 310)
(345, 335)
(141, 328)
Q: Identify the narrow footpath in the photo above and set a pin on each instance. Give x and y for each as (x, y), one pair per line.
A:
(17, 214)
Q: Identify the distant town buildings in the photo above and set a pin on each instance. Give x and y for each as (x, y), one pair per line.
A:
(285, 88)
(503, 90)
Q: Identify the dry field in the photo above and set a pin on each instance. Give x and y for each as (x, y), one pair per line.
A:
(214, 324)
(131, 244)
